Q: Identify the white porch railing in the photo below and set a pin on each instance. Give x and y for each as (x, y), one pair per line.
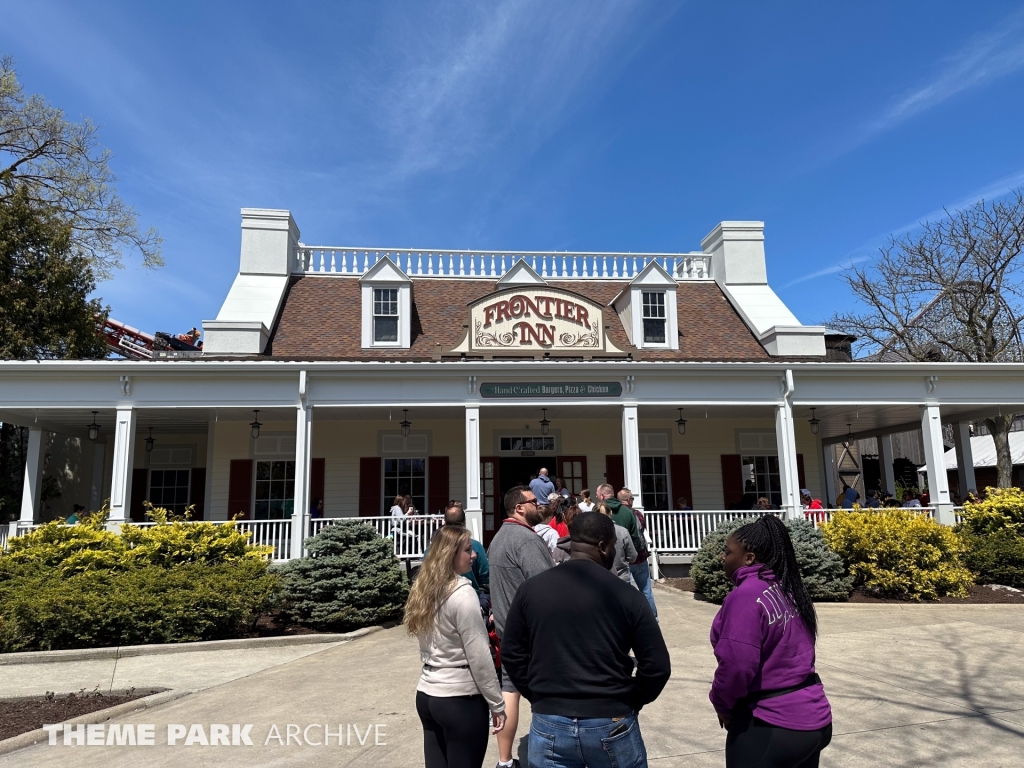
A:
(409, 534)
(340, 260)
(819, 516)
(682, 532)
(273, 533)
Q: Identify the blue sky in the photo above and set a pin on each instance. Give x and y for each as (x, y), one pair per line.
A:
(632, 126)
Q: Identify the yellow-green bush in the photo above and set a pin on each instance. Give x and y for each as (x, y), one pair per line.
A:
(80, 586)
(899, 552)
(89, 546)
(1003, 508)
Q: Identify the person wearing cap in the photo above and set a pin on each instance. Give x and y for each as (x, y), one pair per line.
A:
(808, 501)
(571, 658)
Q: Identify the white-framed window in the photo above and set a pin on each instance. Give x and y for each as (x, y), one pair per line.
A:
(385, 315)
(516, 443)
(275, 490)
(406, 477)
(654, 317)
(654, 482)
(761, 477)
(168, 488)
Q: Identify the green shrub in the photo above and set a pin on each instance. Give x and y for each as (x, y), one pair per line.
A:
(820, 568)
(1003, 508)
(43, 609)
(89, 546)
(996, 558)
(899, 552)
(351, 579)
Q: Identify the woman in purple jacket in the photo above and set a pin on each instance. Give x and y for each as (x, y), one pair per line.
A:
(766, 691)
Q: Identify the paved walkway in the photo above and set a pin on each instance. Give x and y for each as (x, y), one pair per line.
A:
(931, 685)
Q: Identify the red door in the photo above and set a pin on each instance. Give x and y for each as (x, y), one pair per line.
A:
(490, 496)
(573, 471)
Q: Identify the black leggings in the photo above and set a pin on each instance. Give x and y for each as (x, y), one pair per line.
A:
(454, 730)
(753, 743)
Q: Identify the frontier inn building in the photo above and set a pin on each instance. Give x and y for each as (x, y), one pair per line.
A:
(455, 374)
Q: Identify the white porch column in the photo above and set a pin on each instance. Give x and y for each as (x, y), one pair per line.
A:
(828, 463)
(474, 504)
(789, 477)
(964, 458)
(631, 453)
(934, 450)
(885, 459)
(124, 462)
(300, 507)
(99, 455)
(33, 485)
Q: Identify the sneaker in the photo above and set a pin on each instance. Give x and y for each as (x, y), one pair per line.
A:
(515, 764)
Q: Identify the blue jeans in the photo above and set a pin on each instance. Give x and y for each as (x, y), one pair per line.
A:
(642, 576)
(569, 742)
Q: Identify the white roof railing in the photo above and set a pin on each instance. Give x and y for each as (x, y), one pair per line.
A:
(490, 265)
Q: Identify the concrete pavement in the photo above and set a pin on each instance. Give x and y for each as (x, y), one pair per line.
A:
(910, 685)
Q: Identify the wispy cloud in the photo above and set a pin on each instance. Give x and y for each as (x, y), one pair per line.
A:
(986, 57)
(867, 251)
(839, 267)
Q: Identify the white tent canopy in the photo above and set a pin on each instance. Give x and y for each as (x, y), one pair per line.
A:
(984, 449)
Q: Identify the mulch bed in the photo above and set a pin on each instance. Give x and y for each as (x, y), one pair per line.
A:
(977, 595)
(274, 624)
(28, 713)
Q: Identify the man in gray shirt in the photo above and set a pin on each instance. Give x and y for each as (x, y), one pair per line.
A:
(516, 554)
(542, 486)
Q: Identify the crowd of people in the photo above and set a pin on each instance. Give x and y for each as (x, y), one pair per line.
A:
(560, 610)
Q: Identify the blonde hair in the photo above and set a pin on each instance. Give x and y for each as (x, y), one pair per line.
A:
(603, 508)
(436, 580)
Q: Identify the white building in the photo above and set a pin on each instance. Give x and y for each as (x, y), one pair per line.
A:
(677, 375)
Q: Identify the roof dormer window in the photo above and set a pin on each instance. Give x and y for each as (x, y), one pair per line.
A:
(387, 306)
(385, 315)
(654, 317)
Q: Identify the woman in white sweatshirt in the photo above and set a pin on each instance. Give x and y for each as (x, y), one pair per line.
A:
(458, 684)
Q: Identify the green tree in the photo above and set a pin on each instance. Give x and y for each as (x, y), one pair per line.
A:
(45, 309)
(60, 166)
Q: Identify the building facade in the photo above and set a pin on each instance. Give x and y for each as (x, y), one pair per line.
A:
(354, 375)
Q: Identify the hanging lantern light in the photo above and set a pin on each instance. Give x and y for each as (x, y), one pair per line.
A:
(406, 425)
(815, 423)
(849, 434)
(681, 423)
(94, 428)
(255, 424)
(544, 423)
(150, 441)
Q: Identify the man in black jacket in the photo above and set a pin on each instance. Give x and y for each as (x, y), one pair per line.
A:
(566, 646)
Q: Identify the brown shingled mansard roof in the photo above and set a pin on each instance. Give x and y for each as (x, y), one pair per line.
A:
(321, 318)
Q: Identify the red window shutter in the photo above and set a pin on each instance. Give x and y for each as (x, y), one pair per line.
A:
(801, 477)
(679, 467)
(240, 488)
(615, 474)
(140, 490)
(317, 471)
(732, 479)
(437, 484)
(197, 492)
(369, 486)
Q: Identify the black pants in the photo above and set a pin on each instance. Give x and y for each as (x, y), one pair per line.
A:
(454, 730)
(753, 743)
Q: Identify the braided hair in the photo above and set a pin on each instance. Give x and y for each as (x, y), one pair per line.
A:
(769, 541)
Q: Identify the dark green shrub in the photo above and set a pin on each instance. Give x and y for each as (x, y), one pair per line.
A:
(997, 557)
(41, 609)
(351, 579)
(821, 569)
